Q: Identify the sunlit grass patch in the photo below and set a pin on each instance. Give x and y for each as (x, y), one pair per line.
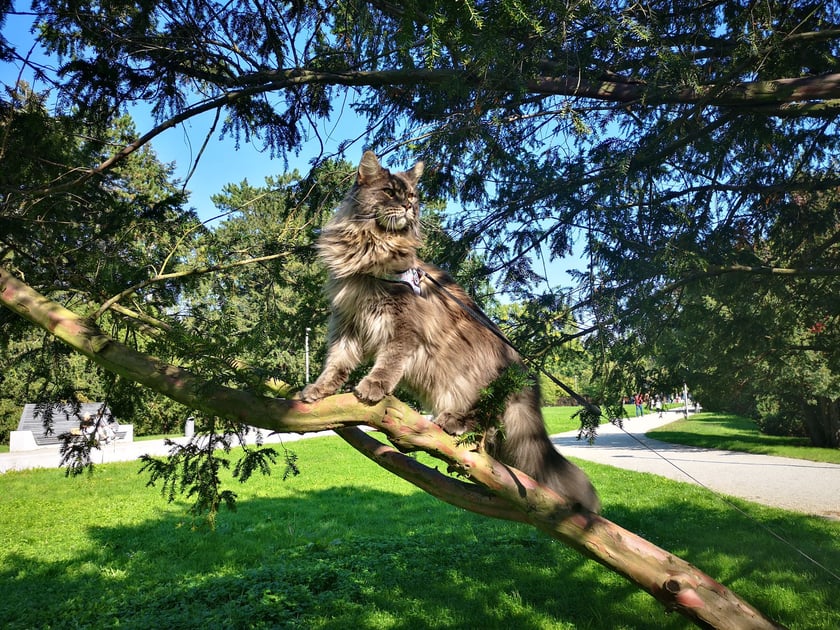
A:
(736, 433)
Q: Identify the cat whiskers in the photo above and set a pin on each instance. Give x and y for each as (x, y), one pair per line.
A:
(396, 221)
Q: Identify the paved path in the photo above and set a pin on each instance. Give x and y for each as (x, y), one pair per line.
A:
(792, 484)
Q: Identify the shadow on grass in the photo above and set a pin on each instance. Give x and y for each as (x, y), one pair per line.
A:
(347, 557)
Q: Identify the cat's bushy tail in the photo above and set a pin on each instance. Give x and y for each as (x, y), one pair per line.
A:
(526, 446)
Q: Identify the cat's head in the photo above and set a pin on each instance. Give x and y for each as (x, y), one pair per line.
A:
(376, 229)
(388, 199)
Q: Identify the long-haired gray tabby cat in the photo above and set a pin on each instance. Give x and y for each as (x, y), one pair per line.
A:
(417, 331)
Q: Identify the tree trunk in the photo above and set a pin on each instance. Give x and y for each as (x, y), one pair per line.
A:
(822, 422)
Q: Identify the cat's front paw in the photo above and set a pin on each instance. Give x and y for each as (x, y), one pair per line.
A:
(310, 394)
(370, 390)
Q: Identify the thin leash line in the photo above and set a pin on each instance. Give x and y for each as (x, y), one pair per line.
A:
(729, 503)
(488, 323)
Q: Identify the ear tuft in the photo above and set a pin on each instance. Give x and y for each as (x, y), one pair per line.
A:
(369, 168)
(415, 172)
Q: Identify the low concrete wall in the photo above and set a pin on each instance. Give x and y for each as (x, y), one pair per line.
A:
(22, 441)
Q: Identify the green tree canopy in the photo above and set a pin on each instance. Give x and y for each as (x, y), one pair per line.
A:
(768, 347)
(82, 245)
(652, 135)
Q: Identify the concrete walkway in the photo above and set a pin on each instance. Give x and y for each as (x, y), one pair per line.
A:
(792, 484)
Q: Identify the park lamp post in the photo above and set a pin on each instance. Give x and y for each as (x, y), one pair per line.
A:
(306, 352)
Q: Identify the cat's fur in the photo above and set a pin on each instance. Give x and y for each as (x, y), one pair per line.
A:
(430, 342)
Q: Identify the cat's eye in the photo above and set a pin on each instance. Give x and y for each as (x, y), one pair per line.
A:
(390, 193)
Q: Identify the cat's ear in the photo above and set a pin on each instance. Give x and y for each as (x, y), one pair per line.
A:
(415, 172)
(369, 168)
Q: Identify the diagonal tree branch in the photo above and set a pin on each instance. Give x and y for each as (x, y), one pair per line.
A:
(713, 271)
(785, 97)
(498, 490)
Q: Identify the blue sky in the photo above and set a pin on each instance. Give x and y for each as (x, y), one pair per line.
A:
(222, 163)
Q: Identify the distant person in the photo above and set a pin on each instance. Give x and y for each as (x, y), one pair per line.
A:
(658, 406)
(105, 432)
(639, 400)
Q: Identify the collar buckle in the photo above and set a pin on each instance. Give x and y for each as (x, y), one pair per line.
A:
(410, 277)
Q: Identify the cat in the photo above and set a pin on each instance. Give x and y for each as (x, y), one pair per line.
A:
(420, 328)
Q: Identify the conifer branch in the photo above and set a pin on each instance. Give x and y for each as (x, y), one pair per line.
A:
(185, 273)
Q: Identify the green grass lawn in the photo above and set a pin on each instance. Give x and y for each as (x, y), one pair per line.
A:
(346, 545)
(562, 419)
(736, 433)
